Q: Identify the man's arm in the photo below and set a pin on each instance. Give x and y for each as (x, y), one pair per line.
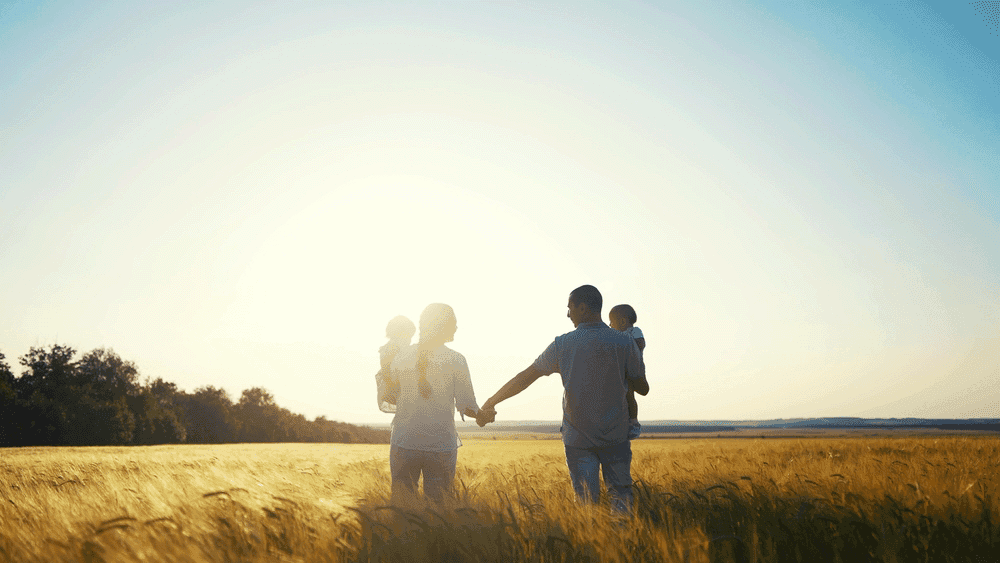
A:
(518, 383)
(640, 386)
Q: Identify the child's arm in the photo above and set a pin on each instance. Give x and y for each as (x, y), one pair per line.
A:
(387, 383)
(640, 339)
(386, 354)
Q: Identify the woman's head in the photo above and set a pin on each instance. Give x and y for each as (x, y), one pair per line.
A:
(437, 324)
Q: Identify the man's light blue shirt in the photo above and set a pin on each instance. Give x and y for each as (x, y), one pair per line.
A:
(595, 362)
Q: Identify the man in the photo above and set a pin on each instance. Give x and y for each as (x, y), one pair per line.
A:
(597, 365)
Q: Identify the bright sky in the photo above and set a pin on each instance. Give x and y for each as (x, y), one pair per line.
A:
(800, 199)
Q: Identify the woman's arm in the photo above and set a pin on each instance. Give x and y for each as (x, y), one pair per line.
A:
(465, 395)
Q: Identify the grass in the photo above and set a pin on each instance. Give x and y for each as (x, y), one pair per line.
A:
(814, 499)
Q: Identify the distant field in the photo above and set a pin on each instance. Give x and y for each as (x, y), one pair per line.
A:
(551, 431)
(929, 498)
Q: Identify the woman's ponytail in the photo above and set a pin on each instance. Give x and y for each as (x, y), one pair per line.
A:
(422, 384)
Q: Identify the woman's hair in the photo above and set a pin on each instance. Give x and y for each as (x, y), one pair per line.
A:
(400, 328)
(624, 312)
(437, 324)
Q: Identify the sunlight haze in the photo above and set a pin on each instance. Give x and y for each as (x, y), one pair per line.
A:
(799, 201)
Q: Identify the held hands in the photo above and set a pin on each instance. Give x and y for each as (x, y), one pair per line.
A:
(485, 416)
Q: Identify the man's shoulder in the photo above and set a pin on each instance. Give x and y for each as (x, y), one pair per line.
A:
(591, 332)
(566, 335)
(579, 334)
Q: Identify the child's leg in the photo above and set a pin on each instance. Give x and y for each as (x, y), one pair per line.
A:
(634, 429)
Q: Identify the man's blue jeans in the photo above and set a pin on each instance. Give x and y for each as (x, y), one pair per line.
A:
(616, 464)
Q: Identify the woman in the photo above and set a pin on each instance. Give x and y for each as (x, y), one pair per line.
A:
(433, 381)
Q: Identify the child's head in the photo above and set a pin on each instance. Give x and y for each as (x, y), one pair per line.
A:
(400, 328)
(622, 317)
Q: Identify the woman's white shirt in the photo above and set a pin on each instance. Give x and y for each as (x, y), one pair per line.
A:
(429, 424)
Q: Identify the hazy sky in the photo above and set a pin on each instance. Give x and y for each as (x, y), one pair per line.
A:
(800, 199)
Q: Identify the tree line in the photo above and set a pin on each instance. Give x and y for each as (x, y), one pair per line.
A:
(99, 400)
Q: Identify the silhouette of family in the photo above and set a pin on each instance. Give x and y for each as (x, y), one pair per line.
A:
(601, 368)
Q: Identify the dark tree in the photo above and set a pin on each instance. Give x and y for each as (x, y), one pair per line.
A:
(260, 418)
(6, 376)
(208, 416)
(107, 376)
(156, 422)
(8, 406)
(95, 422)
(46, 388)
(49, 372)
(166, 393)
(98, 400)
(102, 415)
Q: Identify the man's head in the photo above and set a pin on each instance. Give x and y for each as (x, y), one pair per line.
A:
(584, 305)
(621, 317)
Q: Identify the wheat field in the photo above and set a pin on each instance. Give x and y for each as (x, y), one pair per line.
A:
(810, 499)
